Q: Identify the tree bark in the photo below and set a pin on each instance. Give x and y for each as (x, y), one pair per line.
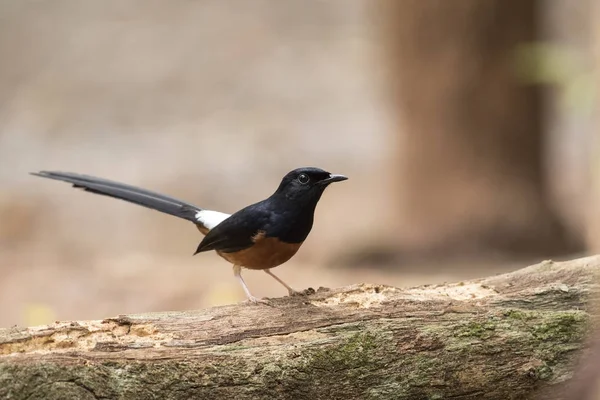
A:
(470, 152)
(503, 337)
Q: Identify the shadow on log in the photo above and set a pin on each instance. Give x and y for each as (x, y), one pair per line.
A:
(503, 337)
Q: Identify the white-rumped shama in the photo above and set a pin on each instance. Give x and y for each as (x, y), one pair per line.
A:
(261, 236)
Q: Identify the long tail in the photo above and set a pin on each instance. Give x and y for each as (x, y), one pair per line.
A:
(132, 194)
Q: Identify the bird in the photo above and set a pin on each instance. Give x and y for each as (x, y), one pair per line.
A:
(260, 236)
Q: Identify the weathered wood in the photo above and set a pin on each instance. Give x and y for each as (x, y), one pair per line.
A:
(501, 337)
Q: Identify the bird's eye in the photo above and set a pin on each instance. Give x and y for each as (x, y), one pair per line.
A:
(303, 179)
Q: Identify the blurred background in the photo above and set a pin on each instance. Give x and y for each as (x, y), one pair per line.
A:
(468, 130)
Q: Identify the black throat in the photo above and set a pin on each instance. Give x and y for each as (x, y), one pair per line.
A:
(293, 214)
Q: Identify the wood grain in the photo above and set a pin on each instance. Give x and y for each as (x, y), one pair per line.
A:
(503, 337)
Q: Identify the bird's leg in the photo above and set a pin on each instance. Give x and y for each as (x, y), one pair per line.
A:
(291, 291)
(237, 271)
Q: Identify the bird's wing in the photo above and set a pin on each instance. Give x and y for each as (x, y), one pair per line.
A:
(236, 232)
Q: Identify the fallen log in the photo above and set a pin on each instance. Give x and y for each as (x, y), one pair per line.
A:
(501, 337)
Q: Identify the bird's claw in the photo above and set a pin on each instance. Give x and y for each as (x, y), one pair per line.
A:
(256, 300)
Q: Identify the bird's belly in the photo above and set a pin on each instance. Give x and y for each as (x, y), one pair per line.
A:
(265, 253)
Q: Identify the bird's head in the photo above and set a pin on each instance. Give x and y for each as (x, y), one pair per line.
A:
(307, 183)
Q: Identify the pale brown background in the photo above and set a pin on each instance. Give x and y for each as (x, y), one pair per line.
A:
(212, 102)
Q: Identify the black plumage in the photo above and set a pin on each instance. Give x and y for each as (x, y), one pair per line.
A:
(121, 191)
(287, 214)
(260, 236)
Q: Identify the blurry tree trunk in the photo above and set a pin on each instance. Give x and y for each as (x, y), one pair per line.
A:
(471, 143)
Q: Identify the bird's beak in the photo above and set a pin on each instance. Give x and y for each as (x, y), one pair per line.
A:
(333, 178)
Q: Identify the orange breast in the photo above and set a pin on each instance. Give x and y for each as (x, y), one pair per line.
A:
(265, 253)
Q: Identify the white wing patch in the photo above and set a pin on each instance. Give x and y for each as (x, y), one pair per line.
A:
(210, 219)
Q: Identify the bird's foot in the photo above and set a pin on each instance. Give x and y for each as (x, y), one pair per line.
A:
(256, 300)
